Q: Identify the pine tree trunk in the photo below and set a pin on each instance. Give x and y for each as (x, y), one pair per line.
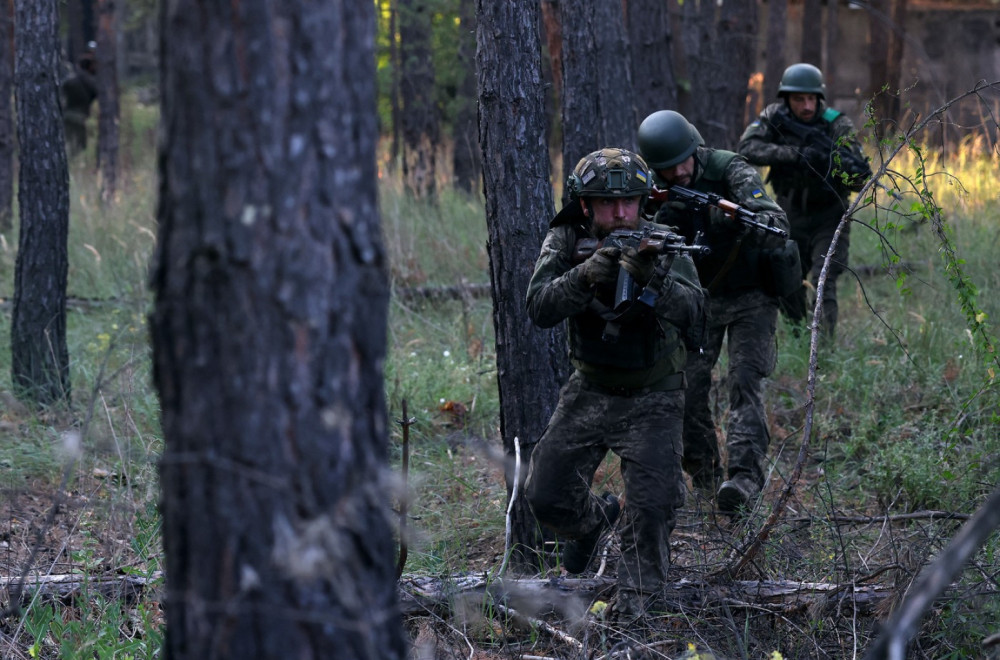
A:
(6, 115)
(107, 98)
(268, 335)
(597, 106)
(40, 358)
(831, 49)
(531, 362)
(652, 57)
(774, 56)
(812, 33)
(719, 45)
(466, 155)
(421, 133)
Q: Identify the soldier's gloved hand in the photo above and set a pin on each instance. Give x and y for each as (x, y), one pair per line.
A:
(640, 265)
(720, 222)
(601, 267)
(816, 159)
(678, 207)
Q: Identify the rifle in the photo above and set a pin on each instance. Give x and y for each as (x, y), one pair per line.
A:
(844, 160)
(645, 241)
(699, 203)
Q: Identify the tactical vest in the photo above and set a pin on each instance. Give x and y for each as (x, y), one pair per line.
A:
(647, 348)
(794, 180)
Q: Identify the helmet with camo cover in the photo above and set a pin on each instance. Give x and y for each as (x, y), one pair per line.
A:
(610, 172)
(667, 138)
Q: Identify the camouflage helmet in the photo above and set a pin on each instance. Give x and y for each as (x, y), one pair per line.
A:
(666, 138)
(802, 79)
(609, 172)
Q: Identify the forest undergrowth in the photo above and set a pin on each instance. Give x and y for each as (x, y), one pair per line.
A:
(904, 448)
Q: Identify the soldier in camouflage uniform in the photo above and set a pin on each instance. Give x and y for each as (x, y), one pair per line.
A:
(739, 309)
(626, 393)
(815, 163)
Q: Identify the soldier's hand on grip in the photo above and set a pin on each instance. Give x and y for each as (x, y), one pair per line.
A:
(720, 221)
(601, 268)
(639, 264)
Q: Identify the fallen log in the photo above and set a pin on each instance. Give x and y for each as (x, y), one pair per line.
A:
(65, 586)
(562, 595)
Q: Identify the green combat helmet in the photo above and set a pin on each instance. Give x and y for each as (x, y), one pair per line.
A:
(802, 79)
(666, 138)
(610, 172)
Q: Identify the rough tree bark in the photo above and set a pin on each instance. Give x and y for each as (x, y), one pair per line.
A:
(878, 54)
(774, 57)
(719, 48)
(268, 335)
(830, 49)
(651, 40)
(596, 80)
(811, 50)
(39, 355)
(466, 157)
(107, 98)
(531, 363)
(893, 108)
(394, 95)
(421, 132)
(6, 115)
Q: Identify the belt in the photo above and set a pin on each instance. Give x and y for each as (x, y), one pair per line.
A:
(672, 382)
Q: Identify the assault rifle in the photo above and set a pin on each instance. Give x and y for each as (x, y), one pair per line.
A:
(840, 160)
(699, 202)
(645, 241)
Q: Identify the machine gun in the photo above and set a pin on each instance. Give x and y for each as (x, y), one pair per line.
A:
(644, 241)
(699, 203)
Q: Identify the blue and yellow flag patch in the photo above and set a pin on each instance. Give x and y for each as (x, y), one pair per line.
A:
(639, 174)
(757, 193)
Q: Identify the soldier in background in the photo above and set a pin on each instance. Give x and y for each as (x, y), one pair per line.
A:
(815, 163)
(741, 309)
(79, 90)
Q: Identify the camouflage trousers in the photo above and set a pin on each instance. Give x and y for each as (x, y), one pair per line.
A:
(644, 430)
(813, 231)
(747, 321)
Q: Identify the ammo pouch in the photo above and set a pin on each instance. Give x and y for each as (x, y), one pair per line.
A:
(781, 270)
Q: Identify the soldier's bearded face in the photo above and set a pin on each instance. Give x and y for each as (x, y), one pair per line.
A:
(680, 174)
(803, 106)
(610, 213)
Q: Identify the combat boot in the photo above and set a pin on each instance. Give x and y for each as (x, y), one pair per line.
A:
(736, 493)
(578, 552)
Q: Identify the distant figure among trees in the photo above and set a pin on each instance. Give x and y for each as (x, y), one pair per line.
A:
(78, 93)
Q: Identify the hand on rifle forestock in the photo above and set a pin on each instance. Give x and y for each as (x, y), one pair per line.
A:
(640, 264)
(601, 267)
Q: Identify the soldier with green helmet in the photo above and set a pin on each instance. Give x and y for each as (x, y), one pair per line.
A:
(626, 391)
(815, 164)
(741, 308)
